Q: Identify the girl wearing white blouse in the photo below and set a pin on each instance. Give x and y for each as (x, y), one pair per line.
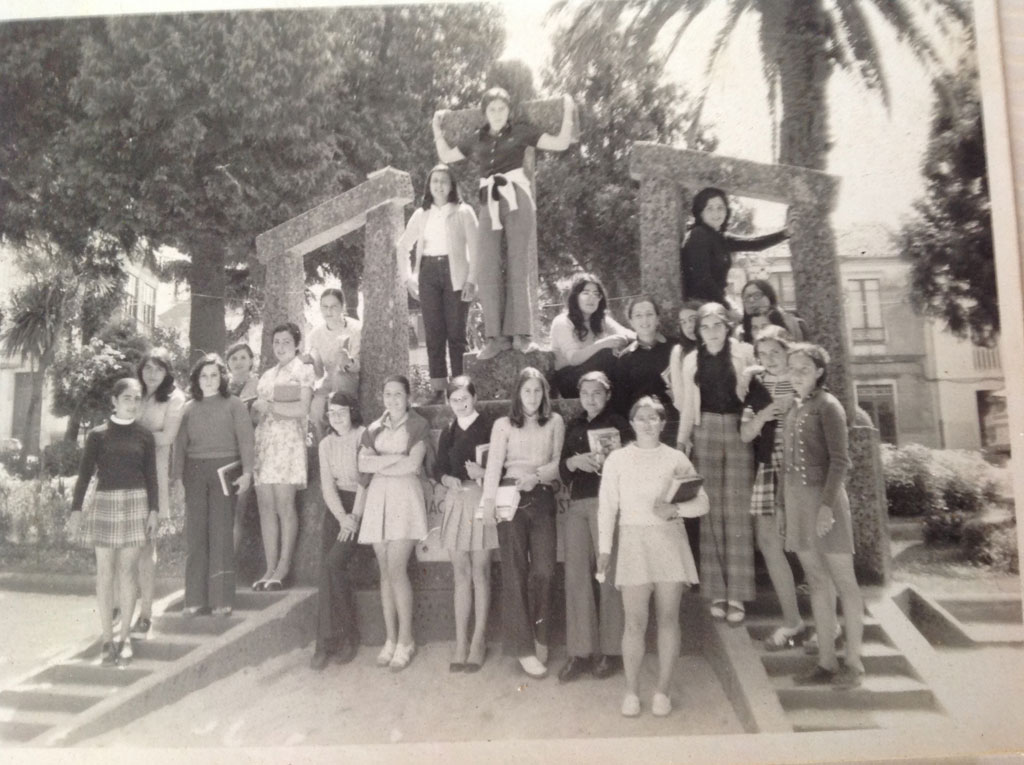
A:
(654, 557)
(525, 449)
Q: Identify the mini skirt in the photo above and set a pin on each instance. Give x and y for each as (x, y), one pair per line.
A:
(118, 519)
(657, 553)
(461, 530)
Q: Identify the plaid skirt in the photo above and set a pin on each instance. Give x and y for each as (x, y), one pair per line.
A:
(764, 497)
(118, 519)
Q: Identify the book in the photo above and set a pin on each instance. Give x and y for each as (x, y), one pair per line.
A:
(604, 441)
(506, 500)
(683, 489)
(481, 455)
(228, 474)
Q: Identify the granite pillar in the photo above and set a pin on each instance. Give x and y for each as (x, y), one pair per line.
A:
(668, 179)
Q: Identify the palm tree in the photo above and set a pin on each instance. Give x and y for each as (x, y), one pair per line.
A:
(802, 42)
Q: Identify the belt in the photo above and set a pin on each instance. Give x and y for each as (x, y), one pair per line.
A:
(438, 257)
(494, 187)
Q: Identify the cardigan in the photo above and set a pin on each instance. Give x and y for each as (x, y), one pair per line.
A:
(816, 451)
(461, 226)
(638, 372)
(706, 257)
(456, 446)
(686, 393)
(584, 485)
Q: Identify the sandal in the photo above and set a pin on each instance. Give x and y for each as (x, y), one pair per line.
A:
(718, 609)
(811, 644)
(736, 614)
(385, 655)
(402, 657)
(785, 637)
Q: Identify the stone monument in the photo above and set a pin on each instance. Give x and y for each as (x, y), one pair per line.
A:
(669, 178)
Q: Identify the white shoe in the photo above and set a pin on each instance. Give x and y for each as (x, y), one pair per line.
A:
(533, 667)
(386, 654)
(661, 705)
(493, 347)
(631, 705)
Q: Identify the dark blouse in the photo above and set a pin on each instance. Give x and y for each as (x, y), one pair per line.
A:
(502, 152)
(584, 485)
(715, 395)
(706, 257)
(122, 457)
(638, 373)
(456, 446)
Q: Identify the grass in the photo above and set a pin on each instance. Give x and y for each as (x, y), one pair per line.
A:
(943, 568)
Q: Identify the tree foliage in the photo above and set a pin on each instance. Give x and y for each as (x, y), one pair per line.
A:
(587, 202)
(949, 240)
(83, 377)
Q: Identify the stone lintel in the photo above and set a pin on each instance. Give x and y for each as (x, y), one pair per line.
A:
(459, 125)
(335, 217)
(784, 184)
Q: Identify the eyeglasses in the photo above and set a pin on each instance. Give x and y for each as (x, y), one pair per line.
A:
(753, 294)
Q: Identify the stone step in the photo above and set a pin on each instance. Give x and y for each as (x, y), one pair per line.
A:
(760, 628)
(985, 610)
(16, 732)
(819, 720)
(47, 700)
(81, 672)
(995, 633)
(46, 718)
(877, 657)
(876, 692)
(178, 624)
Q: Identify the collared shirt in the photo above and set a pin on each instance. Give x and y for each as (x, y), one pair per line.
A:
(583, 484)
(502, 152)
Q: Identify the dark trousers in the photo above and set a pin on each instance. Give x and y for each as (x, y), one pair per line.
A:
(527, 544)
(209, 521)
(336, 624)
(567, 379)
(444, 317)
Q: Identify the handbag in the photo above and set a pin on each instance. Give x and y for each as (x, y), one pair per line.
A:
(506, 500)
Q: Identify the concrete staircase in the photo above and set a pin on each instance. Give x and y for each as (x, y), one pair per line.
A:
(75, 697)
(893, 694)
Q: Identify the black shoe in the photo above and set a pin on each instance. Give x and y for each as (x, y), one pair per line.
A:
(346, 653)
(606, 666)
(319, 660)
(818, 676)
(142, 625)
(109, 653)
(575, 667)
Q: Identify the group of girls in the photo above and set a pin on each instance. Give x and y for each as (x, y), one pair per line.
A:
(161, 444)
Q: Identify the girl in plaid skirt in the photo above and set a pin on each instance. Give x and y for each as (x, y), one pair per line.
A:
(769, 398)
(122, 454)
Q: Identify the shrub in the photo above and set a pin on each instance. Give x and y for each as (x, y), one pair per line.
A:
(11, 461)
(966, 480)
(946, 527)
(992, 544)
(62, 457)
(910, 484)
(33, 510)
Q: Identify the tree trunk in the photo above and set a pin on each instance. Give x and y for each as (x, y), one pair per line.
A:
(207, 331)
(804, 69)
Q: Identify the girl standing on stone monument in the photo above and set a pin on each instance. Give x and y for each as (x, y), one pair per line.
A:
(706, 255)
(523, 458)
(467, 539)
(215, 432)
(584, 338)
(708, 390)
(282, 405)
(391, 454)
(444, 232)
(334, 354)
(162, 407)
(122, 455)
(769, 398)
(819, 528)
(507, 204)
(337, 632)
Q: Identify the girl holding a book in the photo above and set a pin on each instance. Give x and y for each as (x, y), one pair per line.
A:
(282, 404)
(214, 451)
(391, 454)
(242, 383)
(469, 541)
(653, 556)
(593, 645)
(524, 452)
(122, 455)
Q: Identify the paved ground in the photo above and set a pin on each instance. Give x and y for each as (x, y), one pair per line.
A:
(283, 703)
(38, 627)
